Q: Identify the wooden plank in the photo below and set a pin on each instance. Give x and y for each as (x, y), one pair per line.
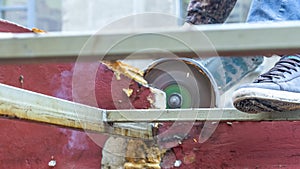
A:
(226, 40)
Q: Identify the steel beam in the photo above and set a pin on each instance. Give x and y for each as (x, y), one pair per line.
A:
(19, 104)
(212, 114)
(207, 40)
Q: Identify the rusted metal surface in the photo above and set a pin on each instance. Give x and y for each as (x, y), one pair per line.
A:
(239, 145)
(232, 145)
(41, 131)
(143, 155)
(43, 109)
(35, 145)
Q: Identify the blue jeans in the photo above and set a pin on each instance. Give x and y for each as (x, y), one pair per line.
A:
(274, 10)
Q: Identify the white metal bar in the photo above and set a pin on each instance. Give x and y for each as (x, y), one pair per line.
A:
(227, 40)
(26, 105)
(212, 114)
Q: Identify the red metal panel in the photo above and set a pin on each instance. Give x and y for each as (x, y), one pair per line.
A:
(6, 26)
(240, 145)
(28, 145)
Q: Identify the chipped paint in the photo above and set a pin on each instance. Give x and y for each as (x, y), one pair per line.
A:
(128, 92)
(142, 155)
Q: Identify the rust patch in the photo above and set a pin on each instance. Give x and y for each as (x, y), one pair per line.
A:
(140, 155)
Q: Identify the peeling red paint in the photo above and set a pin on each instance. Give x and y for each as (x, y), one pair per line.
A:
(262, 145)
(41, 142)
(265, 145)
(32, 145)
(108, 86)
(28, 145)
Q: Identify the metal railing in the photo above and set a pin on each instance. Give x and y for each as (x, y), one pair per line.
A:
(228, 40)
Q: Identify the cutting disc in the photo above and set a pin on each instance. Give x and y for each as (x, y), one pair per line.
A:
(186, 83)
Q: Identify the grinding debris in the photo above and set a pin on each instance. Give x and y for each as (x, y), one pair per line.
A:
(128, 92)
(36, 30)
(117, 75)
(157, 99)
(126, 70)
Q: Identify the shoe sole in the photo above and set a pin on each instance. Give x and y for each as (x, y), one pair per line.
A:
(256, 100)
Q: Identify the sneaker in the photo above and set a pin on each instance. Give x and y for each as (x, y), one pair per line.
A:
(277, 90)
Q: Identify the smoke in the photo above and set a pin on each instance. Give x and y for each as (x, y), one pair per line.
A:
(77, 141)
(64, 91)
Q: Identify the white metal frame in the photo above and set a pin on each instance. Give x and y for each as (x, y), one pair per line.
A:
(227, 40)
(231, 39)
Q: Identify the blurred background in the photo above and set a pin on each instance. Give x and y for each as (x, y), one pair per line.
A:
(79, 15)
